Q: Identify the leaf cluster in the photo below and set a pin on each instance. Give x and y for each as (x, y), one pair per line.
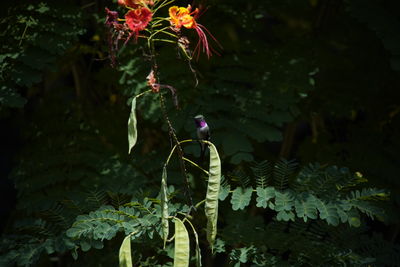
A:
(315, 201)
(33, 37)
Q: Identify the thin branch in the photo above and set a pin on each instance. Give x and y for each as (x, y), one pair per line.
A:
(194, 164)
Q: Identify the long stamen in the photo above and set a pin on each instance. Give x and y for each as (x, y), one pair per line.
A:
(203, 42)
(209, 33)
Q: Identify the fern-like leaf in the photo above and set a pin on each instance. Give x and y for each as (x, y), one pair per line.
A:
(262, 172)
(306, 206)
(241, 198)
(283, 170)
(264, 195)
(328, 212)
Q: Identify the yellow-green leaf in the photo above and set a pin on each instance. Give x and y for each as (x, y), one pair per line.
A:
(132, 130)
(182, 247)
(164, 206)
(125, 257)
(211, 204)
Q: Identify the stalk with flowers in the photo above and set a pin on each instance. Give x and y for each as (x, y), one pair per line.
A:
(141, 22)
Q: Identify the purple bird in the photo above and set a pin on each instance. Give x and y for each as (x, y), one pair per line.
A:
(203, 133)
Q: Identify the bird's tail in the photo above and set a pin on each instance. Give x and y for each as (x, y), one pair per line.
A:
(203, 150)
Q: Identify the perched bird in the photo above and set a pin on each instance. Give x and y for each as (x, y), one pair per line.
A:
(203, 133)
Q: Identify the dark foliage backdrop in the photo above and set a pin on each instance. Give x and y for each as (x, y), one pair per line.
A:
(303, 105)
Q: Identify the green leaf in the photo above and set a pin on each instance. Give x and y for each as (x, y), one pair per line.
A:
(25, 75)
(354, 218)
(241, 198)
(342, 214)
(284, 215)
(283, 169)
(284, 201)
(125, 257)
(328, 212)
(368, 194)
(236, 142)
(132, 131)
(306, 206)
(241, 156)
(224, 192)
(262, 171)
(85, 246)
(273, 134)
(182, 246)
(219, 246)
(264, 195)
(368, 208)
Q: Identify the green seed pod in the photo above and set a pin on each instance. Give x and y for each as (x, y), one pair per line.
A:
(132, 130)
(182, 247)
(211, 204)
(125, 257)
(164, 206)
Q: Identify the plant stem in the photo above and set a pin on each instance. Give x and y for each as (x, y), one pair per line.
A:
(195, 164)
(142, 93)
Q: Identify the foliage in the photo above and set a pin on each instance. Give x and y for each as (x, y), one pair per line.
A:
(311, 80)
(31, 43)
(303, 217)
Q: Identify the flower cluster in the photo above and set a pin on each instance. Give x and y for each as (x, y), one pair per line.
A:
(139, 21)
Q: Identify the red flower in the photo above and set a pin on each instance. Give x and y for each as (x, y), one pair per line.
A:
(135, 3)
(138, 19)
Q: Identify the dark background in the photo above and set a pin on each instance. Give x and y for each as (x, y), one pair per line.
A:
(314, 81)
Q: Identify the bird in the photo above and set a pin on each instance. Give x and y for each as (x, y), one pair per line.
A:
(203, 133)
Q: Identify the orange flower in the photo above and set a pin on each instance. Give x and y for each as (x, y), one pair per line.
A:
(135, 3)
(138, 19)
(182, 16)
